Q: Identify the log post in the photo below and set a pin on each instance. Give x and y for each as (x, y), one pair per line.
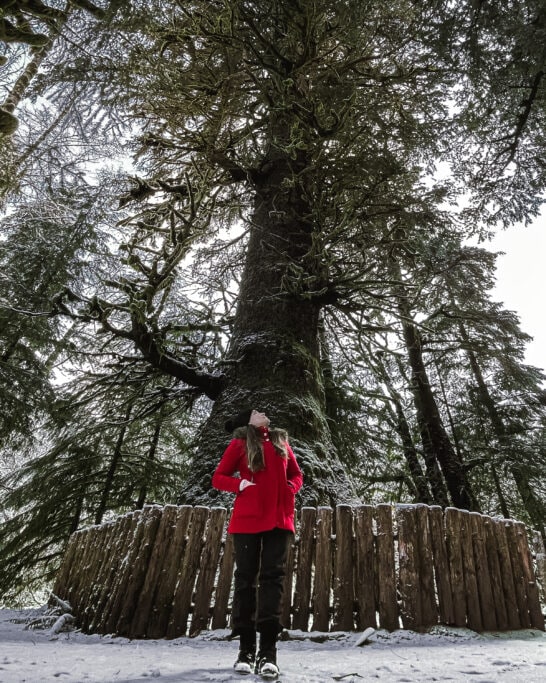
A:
(323, 570)
(130, 605)
(302, 595)
(129, 553)
(408, 559)
(495, 573)
(101, 564)
(518, 575)
(364, 567)
(343, 590)
(507, 576)
(469, 573)
(159, 616)
(485, 590)
(209, 562)
(456, 572)
(225, 576)
(286, 605)
(427, 593)
(178, 623)
(386, 588)
(441, 564)
(156, 567)
(533, 598)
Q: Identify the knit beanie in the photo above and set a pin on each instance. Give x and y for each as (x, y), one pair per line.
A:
(239, 420)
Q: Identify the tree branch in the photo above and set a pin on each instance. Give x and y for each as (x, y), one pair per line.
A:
(527, 104)
(210, 383)
(148, 343)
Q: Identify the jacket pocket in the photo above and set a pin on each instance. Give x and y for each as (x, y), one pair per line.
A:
(248, 502)
(289, 500)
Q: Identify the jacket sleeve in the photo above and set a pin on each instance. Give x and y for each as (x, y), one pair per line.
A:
(223, 477)
(294, 475)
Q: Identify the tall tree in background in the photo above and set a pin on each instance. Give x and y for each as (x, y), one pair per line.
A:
(506, 394)
(477, 349)
(40, 254)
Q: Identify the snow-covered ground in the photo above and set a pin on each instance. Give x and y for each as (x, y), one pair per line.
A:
(444, 654)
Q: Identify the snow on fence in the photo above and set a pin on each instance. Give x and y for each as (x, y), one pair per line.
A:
(167, 572)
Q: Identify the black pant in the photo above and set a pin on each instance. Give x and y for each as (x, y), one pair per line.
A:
(260, 561)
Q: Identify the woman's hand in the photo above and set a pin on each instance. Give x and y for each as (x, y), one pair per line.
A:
(244, 483)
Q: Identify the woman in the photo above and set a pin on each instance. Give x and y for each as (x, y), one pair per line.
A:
(260, 468)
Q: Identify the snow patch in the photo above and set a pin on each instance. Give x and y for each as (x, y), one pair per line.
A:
(442, 654)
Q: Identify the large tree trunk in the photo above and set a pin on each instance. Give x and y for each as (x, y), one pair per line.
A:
(273, 361)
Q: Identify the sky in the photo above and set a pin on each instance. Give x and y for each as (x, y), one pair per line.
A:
(457, 655)
(521, 283)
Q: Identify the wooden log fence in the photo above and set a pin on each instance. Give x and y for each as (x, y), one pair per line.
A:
(167, 572)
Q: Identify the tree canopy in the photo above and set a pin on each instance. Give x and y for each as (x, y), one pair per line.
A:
(210, 205)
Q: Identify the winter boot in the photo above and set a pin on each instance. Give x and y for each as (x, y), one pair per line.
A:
(266, 664)
(247, 651)
(266, 661)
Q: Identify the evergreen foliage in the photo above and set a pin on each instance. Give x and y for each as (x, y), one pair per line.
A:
(208, 204)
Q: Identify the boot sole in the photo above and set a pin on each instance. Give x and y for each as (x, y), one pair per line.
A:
(269, 675)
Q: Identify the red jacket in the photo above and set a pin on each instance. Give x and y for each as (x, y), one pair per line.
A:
(268, 504)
